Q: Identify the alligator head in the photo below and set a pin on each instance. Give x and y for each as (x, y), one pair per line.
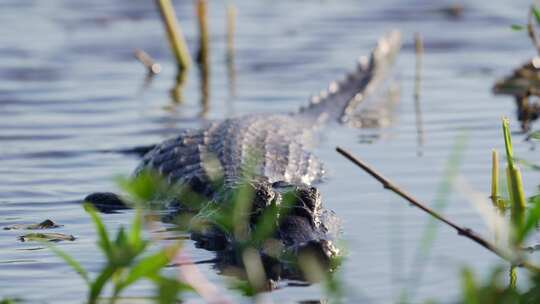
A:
(285, 221)
(304, 226)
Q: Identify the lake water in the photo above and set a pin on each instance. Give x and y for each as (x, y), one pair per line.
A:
(70, 89)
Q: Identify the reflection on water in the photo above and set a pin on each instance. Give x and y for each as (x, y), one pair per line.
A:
(177, 90)
(69, 89)
(204, 82)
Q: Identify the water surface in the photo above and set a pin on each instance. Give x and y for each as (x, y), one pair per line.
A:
(70, 89)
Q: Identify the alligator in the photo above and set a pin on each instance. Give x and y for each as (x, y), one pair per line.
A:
(270, 153)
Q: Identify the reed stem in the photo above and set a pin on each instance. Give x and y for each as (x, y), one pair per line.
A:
(231, 28)
(530, 29)
(495, 180)
(202, 18)
(174, 34)
(513, 277)
(514, 181)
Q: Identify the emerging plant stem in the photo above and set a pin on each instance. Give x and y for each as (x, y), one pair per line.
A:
(514, 180)
(495, 180)
(202, 21)
(174, 34)
(531, 31)
(466, 232)
(231, 28)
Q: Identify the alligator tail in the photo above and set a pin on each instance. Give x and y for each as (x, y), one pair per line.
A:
(342, 97)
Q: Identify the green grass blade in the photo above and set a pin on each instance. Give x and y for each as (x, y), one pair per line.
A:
(71, 262)
(508, 143)
(495, 179)
(104, 241)
(429, 234)
(514, 181)
(536, 14)
(535, 135)
(469, 288)
(134, 236)
(145, 187)
(517, 27)
(99, 283)
(149, 265)
(168, 289)
(533, 216)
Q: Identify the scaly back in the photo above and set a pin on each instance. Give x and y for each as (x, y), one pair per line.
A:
(280, 144)
(343, 97)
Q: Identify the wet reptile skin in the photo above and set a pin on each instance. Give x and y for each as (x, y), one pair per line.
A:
(271, 153)
(277, 146)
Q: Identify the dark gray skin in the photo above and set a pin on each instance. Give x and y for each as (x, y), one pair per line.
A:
(301, 221)
(275, 152)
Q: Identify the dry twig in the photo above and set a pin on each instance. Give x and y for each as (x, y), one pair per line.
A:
(466, 232)
(150, 64)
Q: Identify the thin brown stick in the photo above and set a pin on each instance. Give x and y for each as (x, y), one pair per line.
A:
(466, 232)
(531, 31)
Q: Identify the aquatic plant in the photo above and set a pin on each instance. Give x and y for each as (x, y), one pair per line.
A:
(523, 222)
(129, 256)
(174, 34)
(533, 20)
(127, 262)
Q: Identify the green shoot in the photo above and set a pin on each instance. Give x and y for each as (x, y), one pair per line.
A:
(517, 27)
(514, 181)
(495, 198)
(534, 135)
(536, 14)
(125, 263)
(73, 263)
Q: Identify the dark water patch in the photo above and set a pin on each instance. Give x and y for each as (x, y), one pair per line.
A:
(46, 74)
(18, 261)
(32, 249)
(34, 137)
(10, 52)
(62, 154)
